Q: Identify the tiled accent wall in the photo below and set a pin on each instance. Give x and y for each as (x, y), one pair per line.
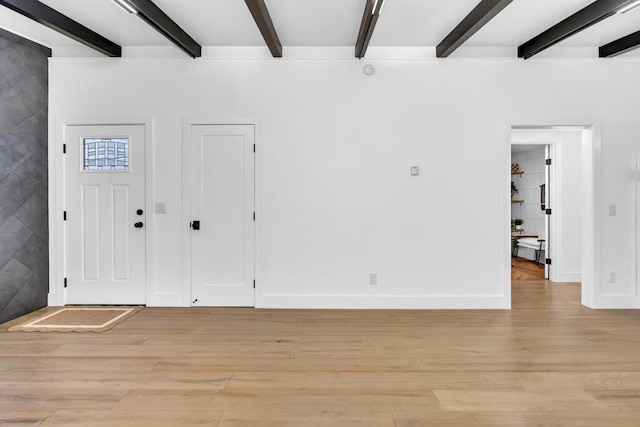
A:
(24, 253)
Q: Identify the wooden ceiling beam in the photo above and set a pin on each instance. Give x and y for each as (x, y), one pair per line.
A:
(620, 46)
(263, 20)
(584, 18)
(56, 21)
(155, 17)
(369, 19)
(484, 12)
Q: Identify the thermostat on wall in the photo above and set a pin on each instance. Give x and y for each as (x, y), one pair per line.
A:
(369, 70)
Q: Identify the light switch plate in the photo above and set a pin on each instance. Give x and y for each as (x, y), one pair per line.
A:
(415, 170)
(161, 208)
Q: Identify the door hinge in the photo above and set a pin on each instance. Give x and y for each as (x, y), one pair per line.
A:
(64, 148)
(254, 216)
(64, 215)
(254, 148)
(548, 162)
(254, 284)
(547, 211)
(547, 261)
(65, 282)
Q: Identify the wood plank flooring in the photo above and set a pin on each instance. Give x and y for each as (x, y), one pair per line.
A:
(547, 362)
(523, 269)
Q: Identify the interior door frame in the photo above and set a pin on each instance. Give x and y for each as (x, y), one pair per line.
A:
(57, 199)
(591, 200)
(187, 125)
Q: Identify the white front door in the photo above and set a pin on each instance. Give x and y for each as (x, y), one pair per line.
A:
(105, 216)
(222, 215)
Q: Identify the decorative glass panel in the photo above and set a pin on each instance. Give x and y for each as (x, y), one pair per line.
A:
(106, 154)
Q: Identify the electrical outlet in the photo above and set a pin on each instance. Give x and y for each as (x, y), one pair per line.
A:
(612, 210)
(612, 277)
(373, 279)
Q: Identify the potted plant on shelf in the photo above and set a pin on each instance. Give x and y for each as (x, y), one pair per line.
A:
(518, 223)
(514, 189)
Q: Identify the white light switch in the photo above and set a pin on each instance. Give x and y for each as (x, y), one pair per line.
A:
(161, 208)
(415, 170)
(612, 210)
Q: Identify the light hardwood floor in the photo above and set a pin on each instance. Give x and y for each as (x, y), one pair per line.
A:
(548, 362)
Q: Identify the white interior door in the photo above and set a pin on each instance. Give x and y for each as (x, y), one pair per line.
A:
(547, 218)
(105, 218)
(222, 215)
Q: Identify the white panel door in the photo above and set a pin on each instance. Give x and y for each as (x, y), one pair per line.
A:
(222, 203)
(547, 218)
(105, 218)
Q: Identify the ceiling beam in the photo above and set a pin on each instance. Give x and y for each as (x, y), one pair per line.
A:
(476, 19)
(620, 46)
(369, 19)
(56, 21)
(584, 18)
(261, 15)
(154, 16)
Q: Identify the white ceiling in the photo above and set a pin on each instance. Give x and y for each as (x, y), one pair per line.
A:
(325, 23)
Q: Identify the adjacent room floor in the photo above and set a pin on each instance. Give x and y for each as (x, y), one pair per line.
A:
(549, 361)
(524, 270)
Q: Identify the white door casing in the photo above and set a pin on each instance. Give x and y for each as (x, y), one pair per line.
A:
(222, 201)
(105, 250)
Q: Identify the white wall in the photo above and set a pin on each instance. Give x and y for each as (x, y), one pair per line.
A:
(567, 209)
(338, 200)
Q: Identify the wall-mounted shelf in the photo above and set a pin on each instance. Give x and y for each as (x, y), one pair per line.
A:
(517, 172)
(517, 201)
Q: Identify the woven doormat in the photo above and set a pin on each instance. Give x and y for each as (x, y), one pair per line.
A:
(78, 319)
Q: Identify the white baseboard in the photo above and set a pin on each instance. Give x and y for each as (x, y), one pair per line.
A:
(391, 302)
(567, 276)
(53, 301)
(166, 300)
(616, 302)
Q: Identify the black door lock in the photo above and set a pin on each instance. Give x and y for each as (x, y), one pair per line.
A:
(138, 225)
(195, 225)
(139, 211)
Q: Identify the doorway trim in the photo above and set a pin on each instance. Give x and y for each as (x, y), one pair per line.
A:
(57, 185)
(591, 200)
(187, 125)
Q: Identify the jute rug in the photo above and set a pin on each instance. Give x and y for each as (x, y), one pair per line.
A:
(78, 319)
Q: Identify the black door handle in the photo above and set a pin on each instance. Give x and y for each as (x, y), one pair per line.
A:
(195, 225)
(138, 225)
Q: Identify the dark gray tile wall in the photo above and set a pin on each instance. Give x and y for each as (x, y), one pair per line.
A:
(24, 250)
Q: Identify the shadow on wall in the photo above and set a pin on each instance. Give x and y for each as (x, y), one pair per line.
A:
(24, 252)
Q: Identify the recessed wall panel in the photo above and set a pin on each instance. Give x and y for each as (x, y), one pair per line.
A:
(223, 209)
(90, 232)
(120, 231)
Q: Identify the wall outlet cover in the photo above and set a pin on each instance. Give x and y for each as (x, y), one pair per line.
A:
(373, 279)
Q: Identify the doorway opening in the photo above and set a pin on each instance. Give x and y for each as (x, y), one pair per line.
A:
(553, 208)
